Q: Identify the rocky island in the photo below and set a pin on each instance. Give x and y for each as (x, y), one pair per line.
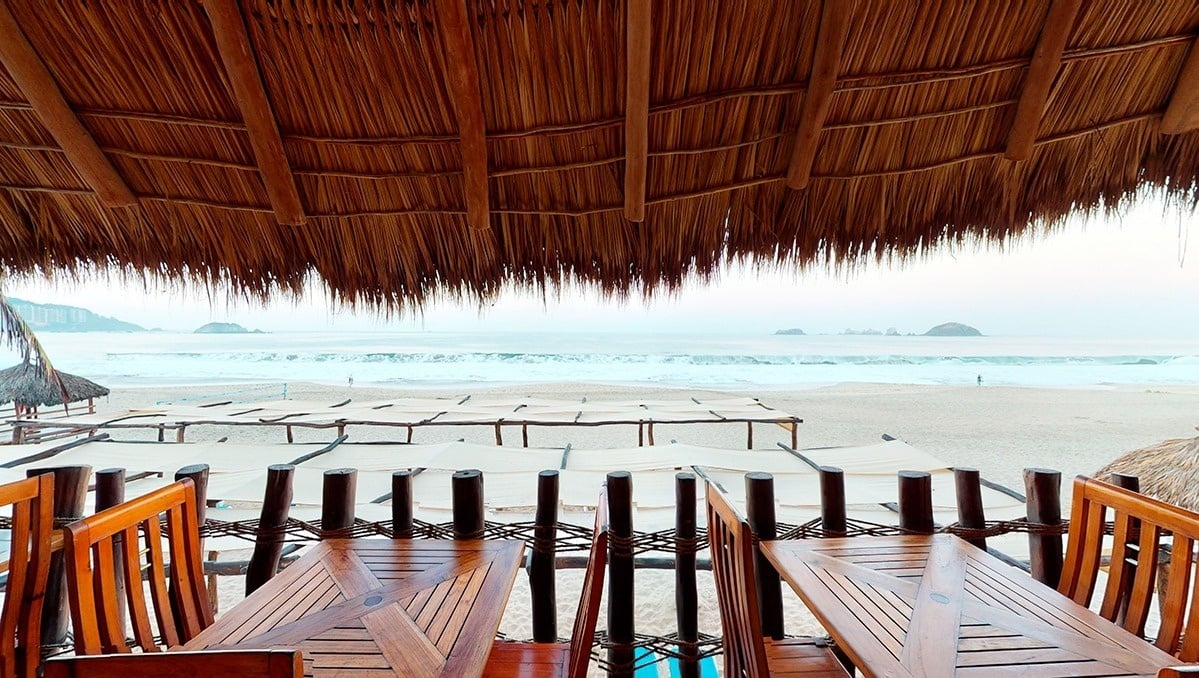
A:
(224, 328)
(953, 330)
(794, 331)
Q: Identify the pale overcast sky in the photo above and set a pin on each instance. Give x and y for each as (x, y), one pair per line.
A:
(1122, 279)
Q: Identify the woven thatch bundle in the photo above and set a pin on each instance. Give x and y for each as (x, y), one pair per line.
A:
(385, 127)
(22, 385)
(1168, 471)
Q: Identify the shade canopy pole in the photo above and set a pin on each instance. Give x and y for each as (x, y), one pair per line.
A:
(467, 98)
(233, 43)
(1182, 113)
(826, 62)
(47, 100)
(636, 114)
(1034, 94)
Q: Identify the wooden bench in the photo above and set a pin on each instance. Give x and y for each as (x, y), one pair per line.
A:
(1142, 525)
(746, 652)
(240, 663)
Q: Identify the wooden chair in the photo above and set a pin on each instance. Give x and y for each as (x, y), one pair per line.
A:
(28, 568)
(746, 652)
(241, 663)
(181, 609)
(530, 660)
(1141, 523)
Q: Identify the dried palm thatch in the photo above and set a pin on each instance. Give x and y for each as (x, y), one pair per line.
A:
(22, 385)
(1168, 471)
(16, 333)
(404, 150)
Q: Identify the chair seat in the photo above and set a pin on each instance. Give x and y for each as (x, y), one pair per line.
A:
(527, 660)
(803, 657)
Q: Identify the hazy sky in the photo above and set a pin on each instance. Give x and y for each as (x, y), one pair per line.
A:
(1126, 278)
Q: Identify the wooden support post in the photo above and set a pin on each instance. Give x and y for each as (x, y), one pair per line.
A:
(35, 81)
(337, 500)
(759, 510)
(1034, 93)
(499, 434)
(749, 435)
(1182, 113)
(268, 543)
(110, 491)
(401, 505)
(638, 33)
(640, 434)
(620, 574)
(524, 435)
(290, 437)
(462, 80)
(916, 501)
(162, 434)
(70, 497)
(180, 431)
(970, 502)
(1044, 507)
(199, 477)
(818, 96)
(467, 489)
(409, 440)
(542, 576)
(241, 67)
(833, 518)
(794, 434)
(649, 431)
(686, 596)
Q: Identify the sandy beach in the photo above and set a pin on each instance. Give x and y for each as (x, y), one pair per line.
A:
(999, 430)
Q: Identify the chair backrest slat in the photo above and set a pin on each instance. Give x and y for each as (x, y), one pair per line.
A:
(731, 542)
(587, 615)
(181, 609)
(1140, 524)
(32, 502)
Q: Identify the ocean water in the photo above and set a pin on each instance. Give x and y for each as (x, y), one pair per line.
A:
(729, 361)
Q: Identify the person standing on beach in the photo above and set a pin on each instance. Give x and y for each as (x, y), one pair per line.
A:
(980, 380)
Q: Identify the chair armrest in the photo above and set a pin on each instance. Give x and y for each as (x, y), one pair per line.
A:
(1179, 671)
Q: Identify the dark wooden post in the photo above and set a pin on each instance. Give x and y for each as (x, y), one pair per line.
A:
(70, 498)
(620, 573)
(833, 519)
(110, 491)
(686, 596)
(970, 502)
(337, 499)
(1044, 507)
(759, 510)
(916, 501)
(542, 585)
(199, 477)
(467, 488)
(268, 543)
(1132, 543)
(401, 504)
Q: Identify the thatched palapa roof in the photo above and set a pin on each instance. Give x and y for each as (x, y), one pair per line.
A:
(1168, 471)
(23, 385)
(397, 149)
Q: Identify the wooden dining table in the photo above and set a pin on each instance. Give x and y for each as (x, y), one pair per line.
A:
(380, 607)
(934, 605)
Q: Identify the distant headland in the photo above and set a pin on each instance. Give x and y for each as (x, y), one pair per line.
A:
(60, 318)
(225, 328)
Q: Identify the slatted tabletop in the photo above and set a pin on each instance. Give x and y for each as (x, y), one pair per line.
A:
(937, 606)
(380, 607)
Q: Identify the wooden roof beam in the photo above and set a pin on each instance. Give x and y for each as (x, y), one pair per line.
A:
(51, 107)
(241, 67)
(1182, 113)
(826, 62)
(467, 98)
(1034, 94)
(636, 112)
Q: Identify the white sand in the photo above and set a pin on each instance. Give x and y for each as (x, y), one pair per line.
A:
(998, 430)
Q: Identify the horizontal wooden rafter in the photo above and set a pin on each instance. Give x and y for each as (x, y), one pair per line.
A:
(1046, 62)
(826, 62)
(51, 107)
(233, 43)
(636, 120)
(463, 80)
(1182, 113)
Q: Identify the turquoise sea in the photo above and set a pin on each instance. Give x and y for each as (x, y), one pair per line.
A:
(729, 361)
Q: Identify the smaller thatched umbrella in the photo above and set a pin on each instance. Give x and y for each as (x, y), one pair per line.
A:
(1168, 471)
(27, 389)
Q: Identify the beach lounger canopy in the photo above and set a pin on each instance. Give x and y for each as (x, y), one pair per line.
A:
(404, 151)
